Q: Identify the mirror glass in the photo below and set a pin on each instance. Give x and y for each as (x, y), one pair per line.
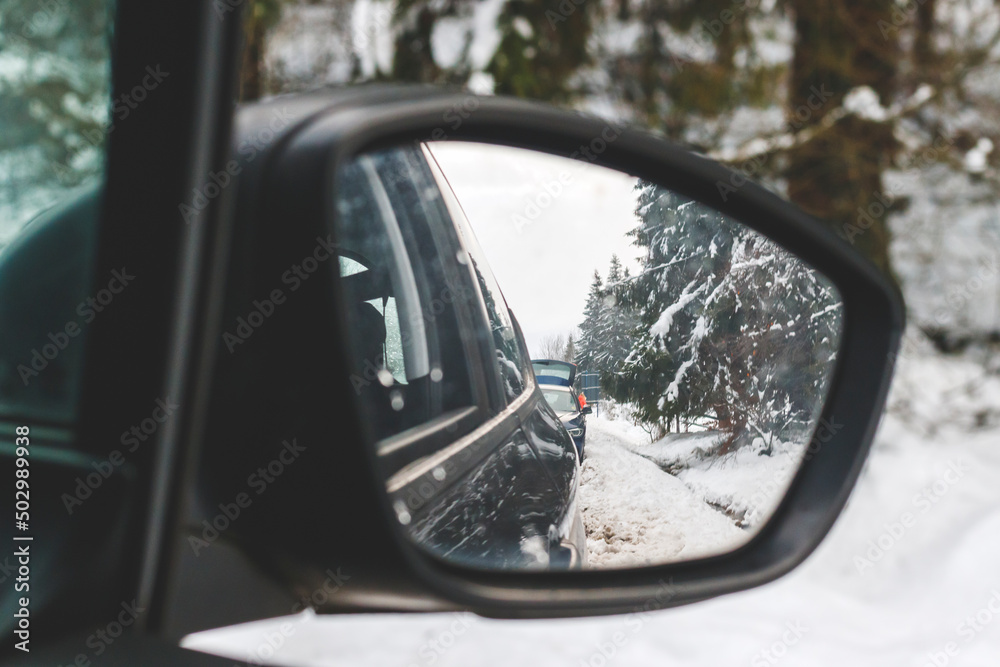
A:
(565, 366)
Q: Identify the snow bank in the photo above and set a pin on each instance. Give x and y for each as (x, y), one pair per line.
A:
(744, 485)
(635, 513)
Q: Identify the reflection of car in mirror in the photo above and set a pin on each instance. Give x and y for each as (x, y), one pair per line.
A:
(478, 466)
(712, 346)
(573, 416)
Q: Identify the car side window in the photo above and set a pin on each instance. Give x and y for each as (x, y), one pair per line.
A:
(511, 363)
(408, 364)
(56, 116)
(393, 355)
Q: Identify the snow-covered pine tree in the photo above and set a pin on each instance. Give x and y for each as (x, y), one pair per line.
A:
(606, 330)
(569, 352)
(588, 346)
(730, 327)
(665, 373)
(619, 320)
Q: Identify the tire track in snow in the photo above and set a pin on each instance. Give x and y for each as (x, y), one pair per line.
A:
(637, 514)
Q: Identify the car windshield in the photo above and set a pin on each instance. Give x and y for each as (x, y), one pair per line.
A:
(559, 399)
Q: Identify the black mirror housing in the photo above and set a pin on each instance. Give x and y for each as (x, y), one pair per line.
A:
(283, 202)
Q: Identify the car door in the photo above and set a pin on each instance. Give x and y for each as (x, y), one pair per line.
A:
(548, 441)
(447, 388)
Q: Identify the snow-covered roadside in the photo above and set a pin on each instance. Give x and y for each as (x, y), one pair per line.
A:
(907, 577)
(745, 485)
(635, 513)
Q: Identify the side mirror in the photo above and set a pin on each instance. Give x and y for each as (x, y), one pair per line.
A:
(754, 338)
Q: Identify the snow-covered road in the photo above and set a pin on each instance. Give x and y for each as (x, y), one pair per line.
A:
(637, 514)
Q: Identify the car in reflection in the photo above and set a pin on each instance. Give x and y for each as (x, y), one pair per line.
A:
(478, 465)
(558, 372)
(573, 416)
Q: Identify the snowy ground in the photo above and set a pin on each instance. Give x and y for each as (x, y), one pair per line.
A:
(635, 513)
(909, 576)
(654, 502)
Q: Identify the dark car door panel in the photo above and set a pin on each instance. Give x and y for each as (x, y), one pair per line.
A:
(553, 446)
(499, 513)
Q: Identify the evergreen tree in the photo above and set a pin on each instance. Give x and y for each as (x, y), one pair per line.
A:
(589, 346)
(569, 353)
(619, 321)
(729, 325)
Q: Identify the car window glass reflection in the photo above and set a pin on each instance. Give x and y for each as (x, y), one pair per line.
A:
(405, 369)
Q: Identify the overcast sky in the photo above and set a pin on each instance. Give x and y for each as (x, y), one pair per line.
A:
(542, 247)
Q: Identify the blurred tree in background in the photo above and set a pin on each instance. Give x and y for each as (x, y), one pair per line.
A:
(875, 116)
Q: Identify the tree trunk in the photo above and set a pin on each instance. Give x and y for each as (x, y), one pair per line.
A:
(923, 44)
(837, 176)
(251, 85)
